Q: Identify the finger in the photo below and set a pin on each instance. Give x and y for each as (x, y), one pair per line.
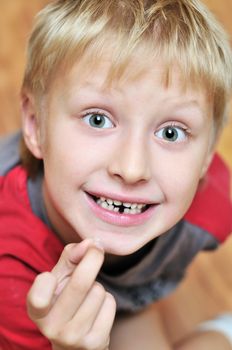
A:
(105, 319)
(99, 335)
(81, 323)
(39, 298)
(77, 288)
(80, 333)
(70, 257)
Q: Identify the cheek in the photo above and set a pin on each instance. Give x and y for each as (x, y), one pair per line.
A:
(180, 178)
(70, 160)
(182, 191)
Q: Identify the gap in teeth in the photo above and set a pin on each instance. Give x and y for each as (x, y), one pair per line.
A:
(120, 207)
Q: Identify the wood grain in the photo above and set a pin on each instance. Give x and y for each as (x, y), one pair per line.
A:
(207, 288)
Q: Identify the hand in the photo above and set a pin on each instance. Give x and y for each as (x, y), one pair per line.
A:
(69, 307)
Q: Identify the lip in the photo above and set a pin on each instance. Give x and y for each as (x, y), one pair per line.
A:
(121, 198)
(120, 219)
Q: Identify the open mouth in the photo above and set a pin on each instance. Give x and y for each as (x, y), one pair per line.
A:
(120, 207)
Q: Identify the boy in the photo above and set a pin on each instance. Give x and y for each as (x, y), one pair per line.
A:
(122, 104)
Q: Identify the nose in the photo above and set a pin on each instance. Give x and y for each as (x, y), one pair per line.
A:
(130, 162)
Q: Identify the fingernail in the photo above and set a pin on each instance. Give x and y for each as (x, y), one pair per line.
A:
(98, 243)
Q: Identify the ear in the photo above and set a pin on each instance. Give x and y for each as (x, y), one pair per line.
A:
(30, 125)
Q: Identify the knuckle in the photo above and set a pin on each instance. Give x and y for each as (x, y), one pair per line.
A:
(79, 285)
(98, 290)
(49, 332)
(62, 338)
(35, 313)
(90, 343)
(67, 251)
(94, 341)
(67, 341)
(111, 300)
(30, 302)
(69, 338)
(33, 292)
(68, 247)
(37, 302)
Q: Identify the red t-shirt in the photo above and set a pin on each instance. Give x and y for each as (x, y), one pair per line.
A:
(28, 247)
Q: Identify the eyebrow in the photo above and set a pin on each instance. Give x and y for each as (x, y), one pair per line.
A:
(101, 90)
(93, 89)
(190, 105)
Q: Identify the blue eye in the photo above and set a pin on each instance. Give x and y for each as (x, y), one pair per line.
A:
(98, 120)
(172, 134)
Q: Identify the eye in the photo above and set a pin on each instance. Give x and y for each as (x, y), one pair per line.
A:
(172, 133)
(98, 120)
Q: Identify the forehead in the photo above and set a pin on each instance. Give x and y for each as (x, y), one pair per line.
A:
(99, 76)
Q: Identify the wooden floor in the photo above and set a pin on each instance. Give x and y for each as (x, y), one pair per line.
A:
(207, 288)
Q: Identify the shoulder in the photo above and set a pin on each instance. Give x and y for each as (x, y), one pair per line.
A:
(211, 208)
(27, 247)
(13, 189)
(9, 152)
(23, 235)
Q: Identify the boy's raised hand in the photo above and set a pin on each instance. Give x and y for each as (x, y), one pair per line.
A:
(69, 307)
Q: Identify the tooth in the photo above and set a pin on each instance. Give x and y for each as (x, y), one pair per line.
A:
(129, 208)
(133, 211)
(104, 205)
(127, 205)
(117, 203)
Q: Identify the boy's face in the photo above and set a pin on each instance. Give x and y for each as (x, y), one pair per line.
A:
(137, 143)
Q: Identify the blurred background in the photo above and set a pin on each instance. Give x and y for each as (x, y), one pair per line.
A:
(207, 288)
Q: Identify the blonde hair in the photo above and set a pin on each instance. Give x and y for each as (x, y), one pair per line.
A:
(182, 32)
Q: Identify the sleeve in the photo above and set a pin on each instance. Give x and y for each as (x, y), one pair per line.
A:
(212, 206)
(17, 331)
